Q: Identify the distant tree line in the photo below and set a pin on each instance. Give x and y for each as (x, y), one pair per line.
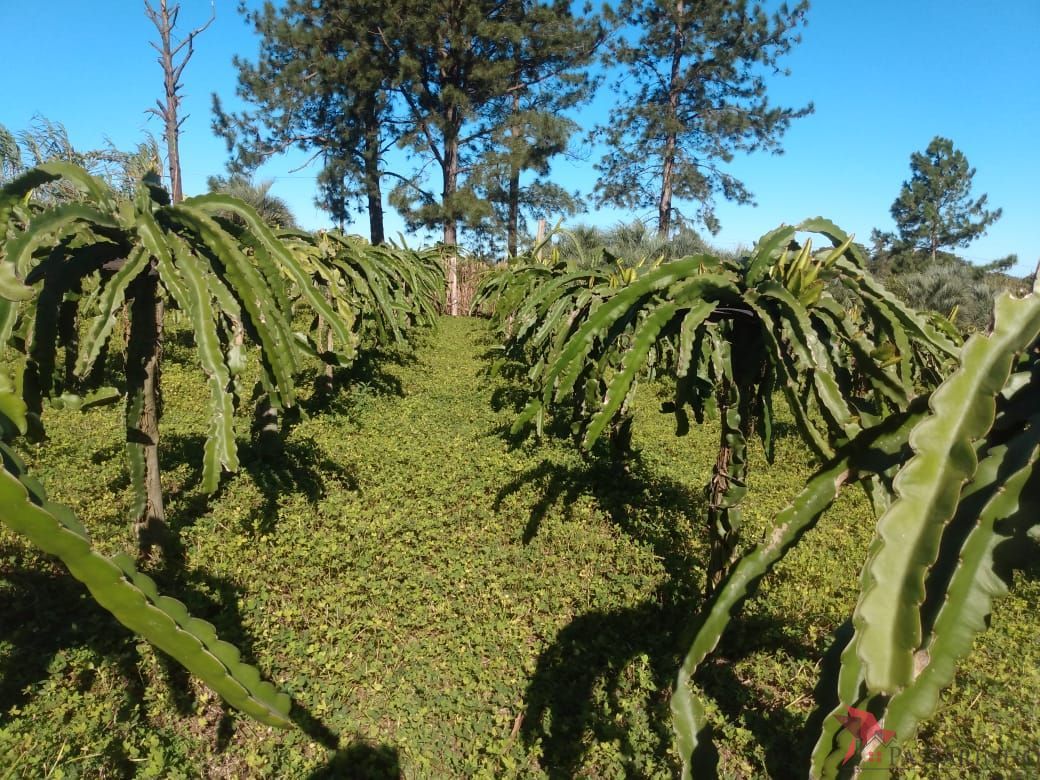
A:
(478, 93)
(480, 98)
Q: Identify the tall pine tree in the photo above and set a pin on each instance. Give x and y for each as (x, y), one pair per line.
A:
(348, 79)
(934, 208)
(322, 84)
(693, 89)
(461, 66)
(550, 78)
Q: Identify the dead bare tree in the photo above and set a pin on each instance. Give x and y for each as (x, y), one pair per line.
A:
(147, 308)
(165, 20)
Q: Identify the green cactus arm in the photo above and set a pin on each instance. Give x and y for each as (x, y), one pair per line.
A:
(766, 251)
(837, 236)
(133, 599)
(110, 302)
(550, 322)
(376, 284)
(862, 283)
(12, 408)
(162, 246)
(882, 379)
(1008, 477)
(49, 225)
(1004, 487)
(220, 450)
(16, 191)
(828, 753)
(250, 288)
(283, 257)
(283, 295)
(632, 362)
(567, 367)
(815, 362)
(927, 489)
(11, 287)
(543, 296)
(875, 449)
(788, 381)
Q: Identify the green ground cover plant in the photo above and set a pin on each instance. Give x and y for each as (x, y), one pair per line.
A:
(443, 601)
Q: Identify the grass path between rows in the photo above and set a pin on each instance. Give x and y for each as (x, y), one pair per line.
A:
(447, 601)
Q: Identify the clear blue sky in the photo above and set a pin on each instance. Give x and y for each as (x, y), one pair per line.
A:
(886, 76)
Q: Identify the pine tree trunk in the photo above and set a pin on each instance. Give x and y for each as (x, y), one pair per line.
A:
(514, 184)
(144, 353)
(450, 169)
(373, 190)
(514, 211)
(664, 204)
(453, 267)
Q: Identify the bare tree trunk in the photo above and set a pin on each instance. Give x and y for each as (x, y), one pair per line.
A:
(144, 356)
(165, 20)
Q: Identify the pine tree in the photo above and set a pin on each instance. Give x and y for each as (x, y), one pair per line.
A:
(349, 79)
(549, 79)
(322, 85)
(693, 93)
(934, 208)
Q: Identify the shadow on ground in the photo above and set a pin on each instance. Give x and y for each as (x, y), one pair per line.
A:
(584, 685)
(361, 761)
(370, 374)
(45, 613)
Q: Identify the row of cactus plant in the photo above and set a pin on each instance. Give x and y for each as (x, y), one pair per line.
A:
(727, 333)
(949, 467)
(69, 269)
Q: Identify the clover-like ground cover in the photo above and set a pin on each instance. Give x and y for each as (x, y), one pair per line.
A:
(449, 602)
